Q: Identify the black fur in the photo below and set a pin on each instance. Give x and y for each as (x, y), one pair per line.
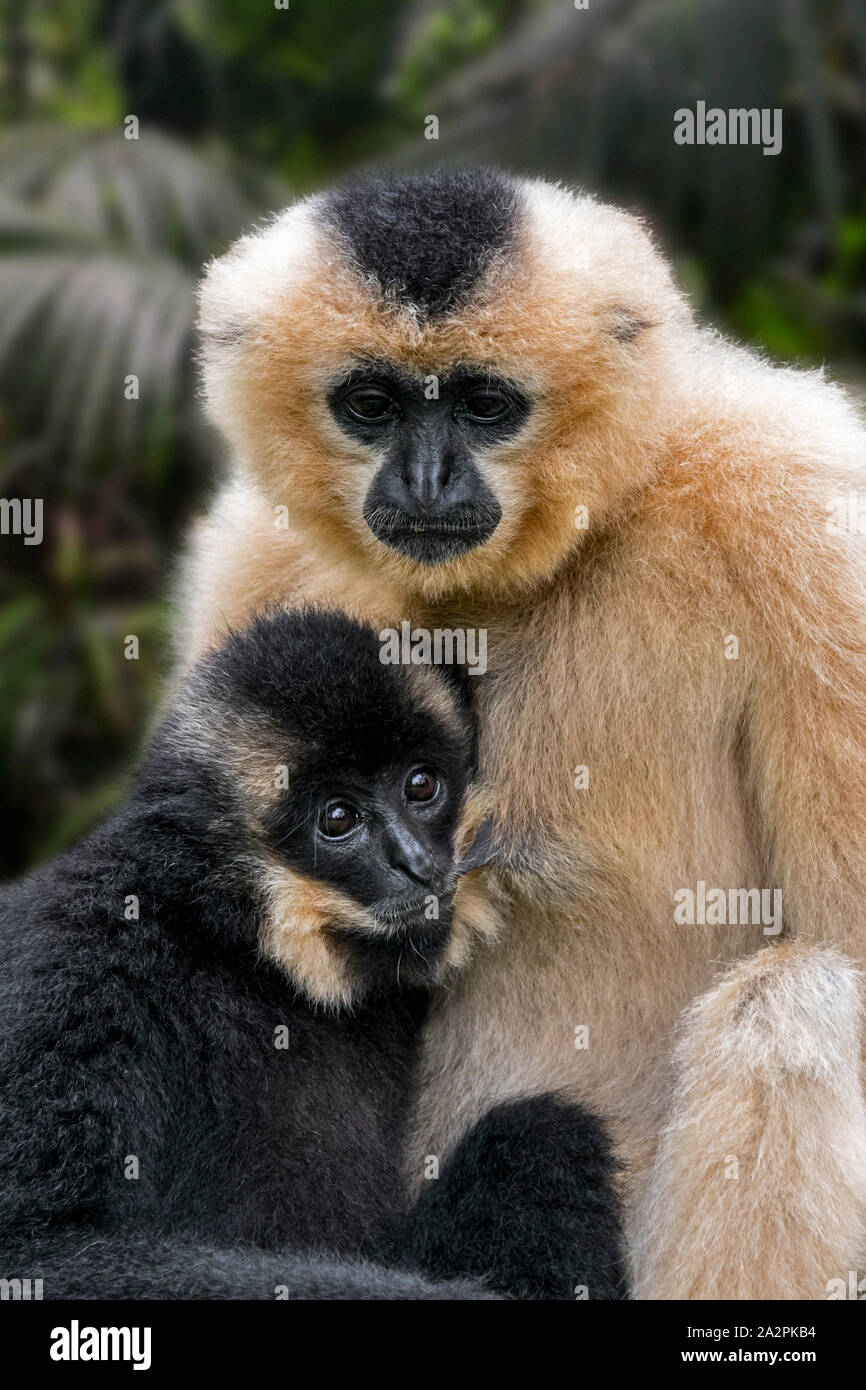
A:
(426, 238)
(318, 676)
(354, 723)
(155, 1038)
(82, 1264)
(260, 1169)
(545, 1220)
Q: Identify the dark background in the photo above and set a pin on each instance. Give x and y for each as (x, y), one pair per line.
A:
(241, 106)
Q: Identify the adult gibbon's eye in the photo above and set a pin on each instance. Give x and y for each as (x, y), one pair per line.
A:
(487, 405)
(421, 785)
(337, 819)
(369, 404)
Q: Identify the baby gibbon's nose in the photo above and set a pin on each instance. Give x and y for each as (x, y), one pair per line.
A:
(410, 856)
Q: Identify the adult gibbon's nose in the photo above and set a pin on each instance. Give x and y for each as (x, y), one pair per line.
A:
(409, 856)
(427, 470)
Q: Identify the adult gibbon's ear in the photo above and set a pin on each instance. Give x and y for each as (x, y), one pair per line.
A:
(624, 325)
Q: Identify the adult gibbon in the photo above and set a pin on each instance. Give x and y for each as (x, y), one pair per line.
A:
(466, 400)
(210, 1012)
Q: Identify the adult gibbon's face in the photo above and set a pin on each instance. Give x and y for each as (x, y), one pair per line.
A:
(440, 375)
(429, 499)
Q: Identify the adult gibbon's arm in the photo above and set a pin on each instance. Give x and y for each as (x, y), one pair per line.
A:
(767, 1128)
(772, 469)
(802, 570)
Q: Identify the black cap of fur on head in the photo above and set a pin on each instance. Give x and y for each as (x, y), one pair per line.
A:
(318, 676)
(427, 238)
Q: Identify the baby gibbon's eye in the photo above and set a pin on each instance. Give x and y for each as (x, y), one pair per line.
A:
(369, 404)
(337, 819)
(421, 785)
(486, 405)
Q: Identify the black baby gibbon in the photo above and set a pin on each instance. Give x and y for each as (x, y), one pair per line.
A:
(210, 1012)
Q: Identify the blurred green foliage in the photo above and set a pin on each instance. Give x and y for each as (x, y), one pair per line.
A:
(241, 106)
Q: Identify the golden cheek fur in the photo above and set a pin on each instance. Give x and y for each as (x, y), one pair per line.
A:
(298, 917)
(294, 933)
(539, 316)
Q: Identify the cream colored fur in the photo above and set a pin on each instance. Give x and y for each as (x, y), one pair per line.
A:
(759, 1185)
(706, 474)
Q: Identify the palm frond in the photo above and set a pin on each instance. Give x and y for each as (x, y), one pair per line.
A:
(101, 240)
(152, 194)
(74, 326)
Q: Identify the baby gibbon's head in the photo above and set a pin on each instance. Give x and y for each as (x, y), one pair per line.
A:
(452, 377)
(350, 777)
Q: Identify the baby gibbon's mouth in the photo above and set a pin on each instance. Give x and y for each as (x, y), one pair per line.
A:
(408, 947)
(422, 911)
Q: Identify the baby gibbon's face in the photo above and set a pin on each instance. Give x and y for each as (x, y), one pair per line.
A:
(385, 841)
(350, 775)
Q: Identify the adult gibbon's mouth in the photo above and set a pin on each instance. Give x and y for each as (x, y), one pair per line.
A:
(433, 540)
